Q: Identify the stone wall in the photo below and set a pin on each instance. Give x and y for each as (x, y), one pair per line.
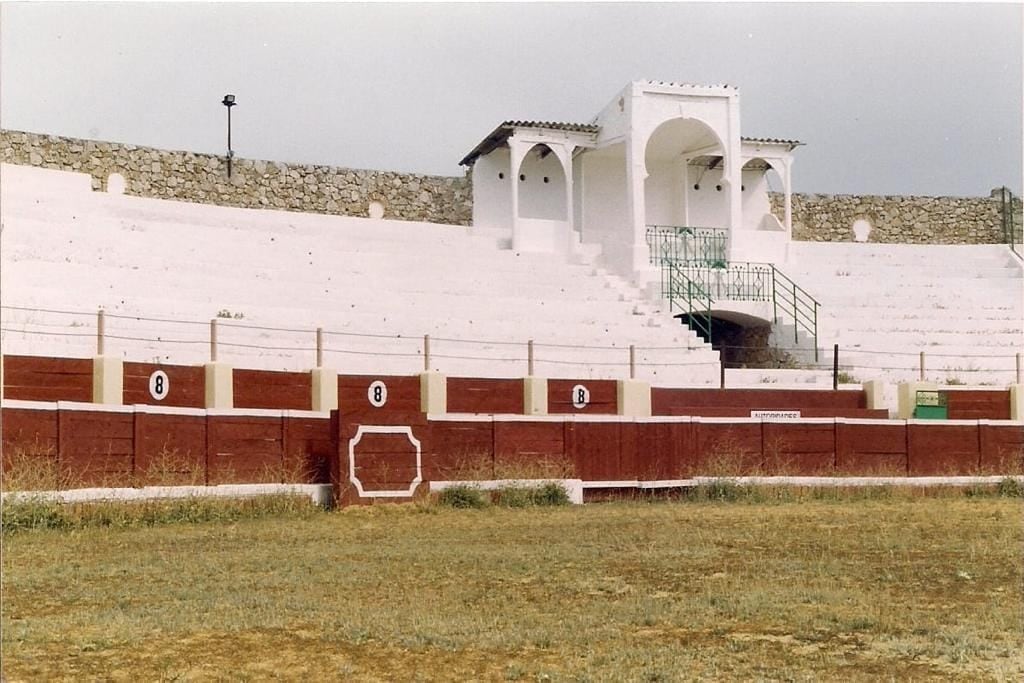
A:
(187, 176)
(904, 219)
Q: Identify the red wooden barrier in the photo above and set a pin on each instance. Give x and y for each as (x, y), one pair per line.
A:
(824, 402)
(602, 399)
(170, 448)
(875, 448)
(273, 390)
(186, 385)
(942, 449)
(35, 378)
(978, 404)
(396, 395)
(485, 396)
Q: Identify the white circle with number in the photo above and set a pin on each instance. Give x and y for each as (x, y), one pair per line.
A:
(159, 385)
(377, 394)
(580, 397)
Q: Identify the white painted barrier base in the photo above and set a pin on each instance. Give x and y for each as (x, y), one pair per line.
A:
(318, 493)
(804, 481)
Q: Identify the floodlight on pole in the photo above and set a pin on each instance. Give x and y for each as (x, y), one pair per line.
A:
(229, 101)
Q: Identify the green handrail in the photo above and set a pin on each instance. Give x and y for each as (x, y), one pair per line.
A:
(682, 244)
(799, 303)
(688, 296)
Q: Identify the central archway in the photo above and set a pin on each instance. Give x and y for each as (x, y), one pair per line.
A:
(684, 184)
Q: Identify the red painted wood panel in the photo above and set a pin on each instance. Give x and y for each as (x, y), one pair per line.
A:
(244, 449)
(309, 446)
(458, 450)
(871, 449)
(29, 447)
(485, 396)
(273, 389)
(942, 449)
(186, 385)
(978, 404)
(385, 462)
(856, 413)
(1002, 449)
(353, 400)
(603, 399)
(170, 449)
(799, 449)
(727, 449)
(98, 447)
(665, 450)
(36, 378)
(595, 449)
(531, 450)
(668, 401)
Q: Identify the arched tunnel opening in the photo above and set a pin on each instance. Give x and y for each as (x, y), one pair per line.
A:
(742, 340)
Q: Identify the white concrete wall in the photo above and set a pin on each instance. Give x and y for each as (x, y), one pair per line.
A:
(604, 216)
(492, 196)
(664, 193)
(755, 198)
(542, 187)
(709, 207)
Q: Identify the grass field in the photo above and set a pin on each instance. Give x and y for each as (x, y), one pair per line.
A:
(908, 587)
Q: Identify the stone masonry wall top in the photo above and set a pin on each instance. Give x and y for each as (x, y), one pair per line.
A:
(187, 176)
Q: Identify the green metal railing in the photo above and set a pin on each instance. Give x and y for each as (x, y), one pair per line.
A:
(1013, 223)
(694, 288)
(791, 298)
(688, 296)
(679, 244)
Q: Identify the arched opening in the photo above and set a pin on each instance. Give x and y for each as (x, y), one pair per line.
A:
(762, 191)
(115, 183)
(541, 180)
(685, 185)
(742, 340)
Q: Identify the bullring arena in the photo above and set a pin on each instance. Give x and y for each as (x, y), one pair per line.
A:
(624, 301)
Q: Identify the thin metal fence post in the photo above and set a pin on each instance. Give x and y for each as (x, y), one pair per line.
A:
(213, 340)
(1020, 369)
(721, 374)
(529, 358)
(835, 367)
(796, 325)
(319, 347)
(632, 361)
(426, 353)
(101, 331)
(921, 373)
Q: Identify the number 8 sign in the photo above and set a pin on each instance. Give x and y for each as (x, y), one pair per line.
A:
(580, 397)
(159, 385)
(377, 394)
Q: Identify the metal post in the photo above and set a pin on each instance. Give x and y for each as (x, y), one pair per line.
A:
(101, 330)
(1020, 369)
(835, 366)
(230, 153)
(721, 374)
(213, 340)
(319, 347)
(796, 328)
(426, 353)
(921, 374)
(632, 361)
(529, 358)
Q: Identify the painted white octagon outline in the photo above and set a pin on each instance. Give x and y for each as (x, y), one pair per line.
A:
(379, 429)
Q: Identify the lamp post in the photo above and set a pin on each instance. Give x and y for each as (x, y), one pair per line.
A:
(229, 101)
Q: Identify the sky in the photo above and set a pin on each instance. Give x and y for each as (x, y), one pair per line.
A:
(893, 98)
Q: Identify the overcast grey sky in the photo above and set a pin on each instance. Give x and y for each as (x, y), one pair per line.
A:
(890, 98)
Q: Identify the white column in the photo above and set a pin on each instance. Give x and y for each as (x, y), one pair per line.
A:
(636, 174)
(686, 191)
(517, 150)
(564, 153)
(788, 190)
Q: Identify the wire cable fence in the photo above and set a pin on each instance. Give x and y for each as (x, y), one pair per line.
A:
(46, 331)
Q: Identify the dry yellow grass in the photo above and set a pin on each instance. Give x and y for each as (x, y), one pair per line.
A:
(911, 587)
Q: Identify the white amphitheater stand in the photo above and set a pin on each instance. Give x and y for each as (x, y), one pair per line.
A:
(364, 281)
(884, 304)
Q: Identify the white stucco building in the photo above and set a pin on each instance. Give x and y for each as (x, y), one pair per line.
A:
(658, 156)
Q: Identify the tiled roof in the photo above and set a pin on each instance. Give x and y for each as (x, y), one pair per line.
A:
(673, 84)
(500, 134)
(772, 141)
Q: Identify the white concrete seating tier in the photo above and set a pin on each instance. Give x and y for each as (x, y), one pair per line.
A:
(962, 305)
(67, 248)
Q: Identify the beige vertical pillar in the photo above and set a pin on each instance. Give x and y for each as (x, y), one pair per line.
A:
(433, 393)
(535, 395)
(325, 390)
(107, 380)
(633, 398)
(1017, 401)
(875, 391)
(907, 397)
(220, 387)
